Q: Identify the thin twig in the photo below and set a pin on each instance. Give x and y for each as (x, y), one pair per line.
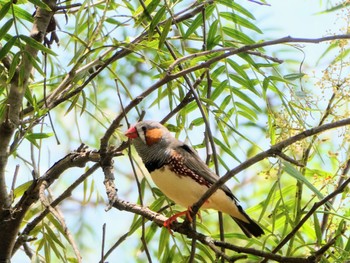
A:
(13, 185)
(143, 230)
(103, 243)
(30, 226)
(116, 244)
(268, 153)
(316, 205)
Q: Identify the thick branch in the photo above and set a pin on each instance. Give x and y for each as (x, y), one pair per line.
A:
(190, 233)
(30, 226)
(11, 121)
(11, 218)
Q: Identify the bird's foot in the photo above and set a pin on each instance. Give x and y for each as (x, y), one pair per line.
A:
(167, 223)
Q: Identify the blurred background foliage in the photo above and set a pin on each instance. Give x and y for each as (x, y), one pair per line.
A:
(253, 99)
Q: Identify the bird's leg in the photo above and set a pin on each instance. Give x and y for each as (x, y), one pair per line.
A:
(173, 218)
(167, 223)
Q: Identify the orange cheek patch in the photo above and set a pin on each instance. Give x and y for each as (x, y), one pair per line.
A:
(153, 136)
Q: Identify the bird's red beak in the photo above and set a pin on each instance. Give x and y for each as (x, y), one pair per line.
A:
(131, 133)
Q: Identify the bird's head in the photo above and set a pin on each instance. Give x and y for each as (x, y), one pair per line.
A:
(151, 139)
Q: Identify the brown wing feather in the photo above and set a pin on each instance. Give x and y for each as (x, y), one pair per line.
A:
(195, 163)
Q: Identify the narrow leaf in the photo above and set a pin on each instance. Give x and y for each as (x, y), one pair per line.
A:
(197, 22)
(5, 8)
(293, 76)
(40, 4)
(237, 7)
(237, 35)
(35, 44)
(156, 19)
(213, 38)
(7, 47)
(165, 32)
(5, 28)
(288, 168)
(36, 136)
(240, 21)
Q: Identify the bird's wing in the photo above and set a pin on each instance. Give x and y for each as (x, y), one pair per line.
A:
(196, 164)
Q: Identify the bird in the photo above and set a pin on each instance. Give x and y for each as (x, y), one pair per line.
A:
(182, 176)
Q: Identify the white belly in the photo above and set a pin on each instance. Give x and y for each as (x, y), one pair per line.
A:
(185, 191)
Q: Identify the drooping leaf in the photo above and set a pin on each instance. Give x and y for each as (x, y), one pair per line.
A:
(7, 47)
(5, 8)
(156, 19)
(37, 45)
(237, 35)
(165, 32)
(293, 76)
(288, 168)
(237, 7)
(240, 21)
(5, 28)
(40, 4)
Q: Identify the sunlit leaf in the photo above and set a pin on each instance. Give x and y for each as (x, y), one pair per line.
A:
(4, 9)
(5, 28)
(35, 44)
(7, 47)
(237, 35)
(287, 167)
(294, 76)
(165, 32)
(240, 21)
(40, 4)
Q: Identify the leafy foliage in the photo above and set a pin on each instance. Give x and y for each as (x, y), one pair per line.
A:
(207, 70)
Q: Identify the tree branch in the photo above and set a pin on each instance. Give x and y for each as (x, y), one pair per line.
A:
(18, 86)
(316, 205)
(274, 150)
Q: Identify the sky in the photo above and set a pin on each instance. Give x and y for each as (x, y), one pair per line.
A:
(283, 17)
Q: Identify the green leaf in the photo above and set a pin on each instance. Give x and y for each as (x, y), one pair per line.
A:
(5, 28)
(245, 98)
(15, 62)
(342, 5)
(240, 21)
(156, 19)
(53, 235)
(293, 76)
(196, 122)
(34, 61)
(5, 8)
(163, 241)
(40, 4)
(35, 44)
(237, 35)
(317, 230)
(151, 231)
(213, 39)
(22, 14)
(7, 47)
(19, 191)
(165, 32)
(288, 168)
(197, 22)
(249, 113)
(226, 149)
(37, 136)
(219, 89)
(237, 7)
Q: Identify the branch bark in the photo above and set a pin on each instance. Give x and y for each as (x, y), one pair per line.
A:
(9, 224)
